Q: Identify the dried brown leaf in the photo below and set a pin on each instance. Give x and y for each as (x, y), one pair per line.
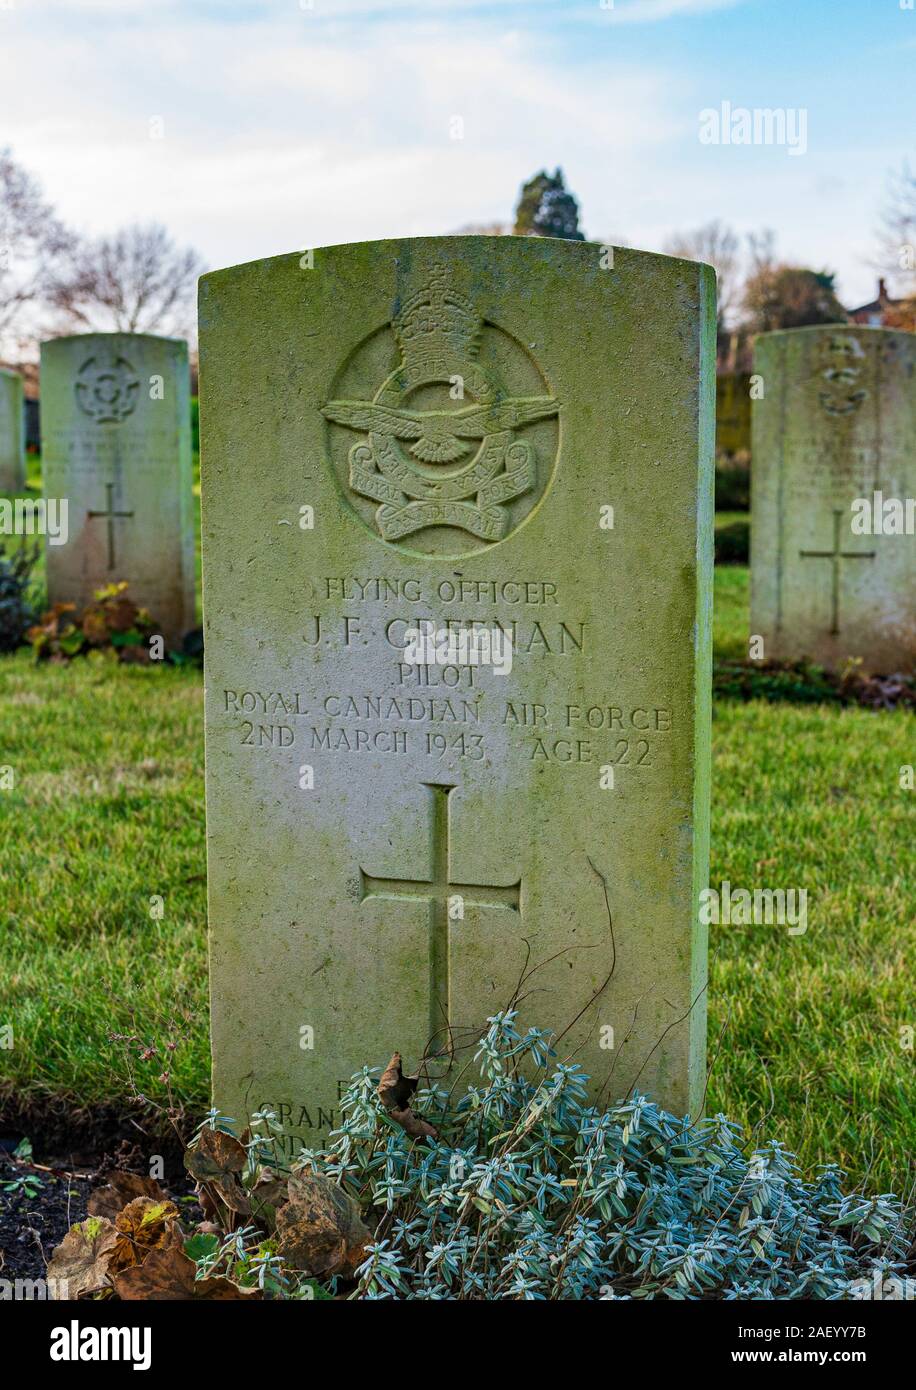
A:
(268, 1194)
(216, 1160)
(168, 1275)
(413, 1124)
(395, 1090)
(144, 1226)
(320, 1228)
(121, 1188)
(79, 1265)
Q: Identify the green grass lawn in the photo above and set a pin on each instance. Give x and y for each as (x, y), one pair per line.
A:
(731, 613)
(108, 810)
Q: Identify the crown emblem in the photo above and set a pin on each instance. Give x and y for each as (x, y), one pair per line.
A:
(437, 324)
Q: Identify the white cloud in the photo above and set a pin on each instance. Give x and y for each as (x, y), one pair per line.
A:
(279, 135)
(653, 11)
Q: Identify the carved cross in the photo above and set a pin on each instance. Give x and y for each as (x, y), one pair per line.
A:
(110, 514)
(439, 890)
(835, 556)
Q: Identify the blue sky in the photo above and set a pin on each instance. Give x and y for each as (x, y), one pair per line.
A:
(285, 125)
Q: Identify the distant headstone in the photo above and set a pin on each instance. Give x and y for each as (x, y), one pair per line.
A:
(12, 437)
(509, 435)
(733, 412)
(32, 424)
(834, 467)
(116, 431)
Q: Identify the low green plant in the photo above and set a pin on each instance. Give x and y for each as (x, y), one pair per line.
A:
(112, 624)
(733, 482)
(802, 682)
(733, 543)
(17, 613)
(24, 1184)
(522, 1189)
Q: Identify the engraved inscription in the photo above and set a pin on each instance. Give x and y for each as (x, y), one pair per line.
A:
(451, 715)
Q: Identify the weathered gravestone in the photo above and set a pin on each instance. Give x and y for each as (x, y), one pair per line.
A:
(836, 426)
(12, 434)
(434, 430)
(116, 441)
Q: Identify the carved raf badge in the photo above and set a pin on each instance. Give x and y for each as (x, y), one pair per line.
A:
(452, 465)
(107, 389)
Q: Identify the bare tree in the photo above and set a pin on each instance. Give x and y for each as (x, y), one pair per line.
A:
(483, 229)
(718, 246)
(136, 281)
(897, 232)
(761, 250)
(31, 241)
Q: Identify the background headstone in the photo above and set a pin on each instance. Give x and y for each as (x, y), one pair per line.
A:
(837, 422)
(32, 423)
(116, 441)
(733, 412)
(434, 429)
(12, 437)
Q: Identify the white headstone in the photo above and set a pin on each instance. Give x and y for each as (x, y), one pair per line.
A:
(116, 441)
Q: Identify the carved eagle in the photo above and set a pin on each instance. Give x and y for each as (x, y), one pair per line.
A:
(440, 435)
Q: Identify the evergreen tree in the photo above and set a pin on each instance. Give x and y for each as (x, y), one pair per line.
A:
(547, 208)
